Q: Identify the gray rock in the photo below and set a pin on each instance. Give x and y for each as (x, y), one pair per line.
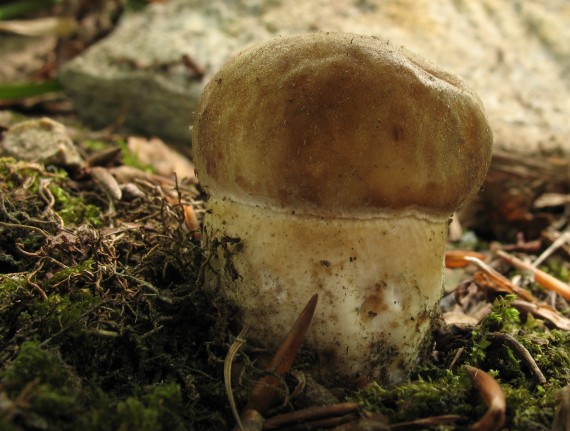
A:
(41, 140)
(515, 53)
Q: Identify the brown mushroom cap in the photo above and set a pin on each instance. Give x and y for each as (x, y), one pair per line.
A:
(339, 124)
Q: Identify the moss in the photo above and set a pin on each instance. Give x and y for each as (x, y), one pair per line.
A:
(41, 380)
(49, 395)
(73, 209)
(503, 317)
(66, 273)
(531, 409)
(93, 145)
(161, 408)
(119, 313)
(437, 391)
(549, 348)
(448, 393)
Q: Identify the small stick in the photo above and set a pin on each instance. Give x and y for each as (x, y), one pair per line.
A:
(544, 279)
(558, 242)
(502, 280)
(24, 226)
(522, 352)
(420, 424)
(493, 397)
(310, 414)
(456, 358)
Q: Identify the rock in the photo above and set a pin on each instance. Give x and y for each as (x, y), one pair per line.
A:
(516, 54)
(41, 140)
(164, 160)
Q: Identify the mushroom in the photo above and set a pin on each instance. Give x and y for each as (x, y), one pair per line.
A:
(333, 163)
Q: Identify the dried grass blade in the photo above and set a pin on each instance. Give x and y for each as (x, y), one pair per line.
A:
(236, 345)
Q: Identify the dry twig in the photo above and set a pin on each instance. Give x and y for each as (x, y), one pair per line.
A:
(502, 284)
(544, 279)
(522, 352)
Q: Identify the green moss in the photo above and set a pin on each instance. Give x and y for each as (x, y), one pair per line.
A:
(119, 313)
(549, 348)
(66, 273)
(93, 145)
(19, 178)
(45, 382)
(10, 285)
(47, 387)
(503, 317)
(162, 408)
(73, 209)
(447, 394)
(531, 409)
(436, 391)
(15, 174)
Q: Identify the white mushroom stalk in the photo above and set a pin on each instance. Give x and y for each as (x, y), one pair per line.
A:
(336, 161)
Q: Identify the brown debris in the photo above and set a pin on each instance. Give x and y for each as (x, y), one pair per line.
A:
(266, 391)
(544, 279)
(493, 280)
(493, 397)
(544, 311)
(314, 417)
(562, 415)
(457, 258)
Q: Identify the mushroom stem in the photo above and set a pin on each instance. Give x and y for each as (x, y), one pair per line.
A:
(379, 280)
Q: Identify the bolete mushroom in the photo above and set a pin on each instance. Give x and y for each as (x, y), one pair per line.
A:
(337, 161)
